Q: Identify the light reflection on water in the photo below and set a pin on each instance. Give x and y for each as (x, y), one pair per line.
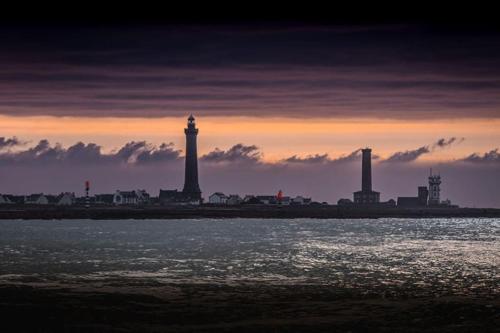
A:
(460, 256)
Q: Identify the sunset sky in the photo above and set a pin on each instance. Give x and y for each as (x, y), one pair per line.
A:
(290, 99)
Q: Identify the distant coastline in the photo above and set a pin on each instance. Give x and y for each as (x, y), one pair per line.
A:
(250, 211)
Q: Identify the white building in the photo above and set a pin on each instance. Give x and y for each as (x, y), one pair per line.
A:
(36, 199)
(130, 197)
(234, 199)
(217, 198)
(4, 200)
(66, 199)
(300, 200)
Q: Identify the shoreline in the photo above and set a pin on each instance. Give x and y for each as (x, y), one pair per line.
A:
(257, 211)
(252, 308)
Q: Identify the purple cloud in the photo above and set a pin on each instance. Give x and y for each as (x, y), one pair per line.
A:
(442, 143)
(136, 153)
(412, 155)
(408, 155)
(493, 156)
(52, 168)
(6, 143)
(310, 159)
(237, 153)
(325, 158)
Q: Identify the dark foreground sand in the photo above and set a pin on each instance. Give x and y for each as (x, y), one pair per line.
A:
(243, 308)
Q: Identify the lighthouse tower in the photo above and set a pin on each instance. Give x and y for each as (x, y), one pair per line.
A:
(366, 195)
(191, 189)
(434, 182)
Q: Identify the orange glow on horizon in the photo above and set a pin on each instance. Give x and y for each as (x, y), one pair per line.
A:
(277, 138)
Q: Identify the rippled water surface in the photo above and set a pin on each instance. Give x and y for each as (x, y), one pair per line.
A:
(450, 255)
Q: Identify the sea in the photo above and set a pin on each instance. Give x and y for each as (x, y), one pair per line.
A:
(438, 256)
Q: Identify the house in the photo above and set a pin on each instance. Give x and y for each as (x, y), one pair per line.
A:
(300, 200)
(36, 199)
(285, 201)
(125, 198)
(175, 197)
(103, 199)
(217, 198)
(234, 199)
(15, 199)
(169, 197)
(65, 199)
(52, 199)
(248, 197)
(344, 202)
(251, 200)
(267, 199)
(143, 196)
(137, 197)
(389, 203)
(4, 199)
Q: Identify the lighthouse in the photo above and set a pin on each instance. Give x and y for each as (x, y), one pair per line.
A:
(191, 189)
(366, 195)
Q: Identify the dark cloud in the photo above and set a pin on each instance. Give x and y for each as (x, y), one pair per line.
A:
(408, 155)
(273, 70)
(140, 152)
(308, 159)
(442, 143)
(237, 153)
(6, 143)
(133, 153)
(412, 155)
(51, 168)
(493, 156)
(42, 153)
(354, 156)
(164, 153)
(83, 153)
(320, 159)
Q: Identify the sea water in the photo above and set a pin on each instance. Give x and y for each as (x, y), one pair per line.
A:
(456, 255)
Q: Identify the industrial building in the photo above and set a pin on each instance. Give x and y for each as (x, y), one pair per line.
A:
(427, 197)
(418, 201)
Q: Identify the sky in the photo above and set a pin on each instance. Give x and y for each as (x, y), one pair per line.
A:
(280, 105)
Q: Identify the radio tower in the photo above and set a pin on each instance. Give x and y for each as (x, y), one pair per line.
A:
(434, 182)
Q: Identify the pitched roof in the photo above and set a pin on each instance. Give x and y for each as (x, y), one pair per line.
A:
(128, 194)
(15, 198)
(34, 197)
